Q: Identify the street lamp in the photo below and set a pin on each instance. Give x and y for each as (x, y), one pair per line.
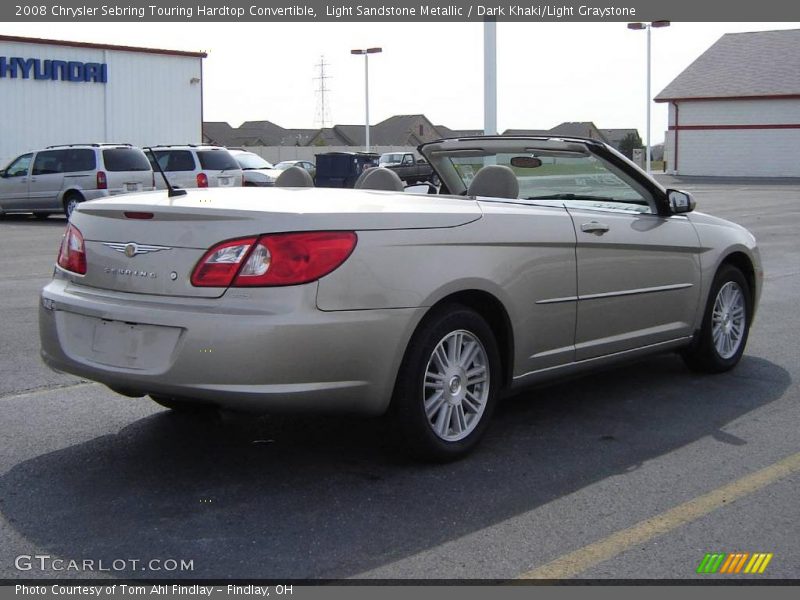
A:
(648, 26)
(366, 52)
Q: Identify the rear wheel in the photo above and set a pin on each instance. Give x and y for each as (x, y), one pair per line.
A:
(726, 324)
(447, 385)
(71, 200)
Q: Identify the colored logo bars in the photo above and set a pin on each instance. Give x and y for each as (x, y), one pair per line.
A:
(736, 562)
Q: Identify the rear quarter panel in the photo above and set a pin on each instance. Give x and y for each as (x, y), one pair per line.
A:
(517, 254)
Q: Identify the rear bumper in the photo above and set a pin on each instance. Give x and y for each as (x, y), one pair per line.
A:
(263, 349)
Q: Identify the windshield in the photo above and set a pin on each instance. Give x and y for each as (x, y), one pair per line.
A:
(557, 175)
(248, 160)
(283, 165)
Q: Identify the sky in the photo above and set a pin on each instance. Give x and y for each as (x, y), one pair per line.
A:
(547, 72)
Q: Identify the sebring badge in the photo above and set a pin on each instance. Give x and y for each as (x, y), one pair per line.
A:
(132, 249)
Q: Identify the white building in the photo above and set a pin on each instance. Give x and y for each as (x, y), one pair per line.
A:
(735, 111)
(56, 92)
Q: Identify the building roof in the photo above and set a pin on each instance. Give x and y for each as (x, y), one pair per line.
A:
(27, 40)
(218, 132)
(446, 132)
(742, 65)
(399, 130)
(526, 132)
(615, 136)
(581, 129)
(404, 130)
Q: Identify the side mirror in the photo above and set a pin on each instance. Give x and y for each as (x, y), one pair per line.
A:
(2, 172)
(680, 202)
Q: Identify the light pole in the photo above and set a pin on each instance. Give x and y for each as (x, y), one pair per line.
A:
(648, 27)
(366, 52)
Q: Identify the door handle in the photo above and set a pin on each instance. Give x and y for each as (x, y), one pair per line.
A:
(33, 179)
(595, 227)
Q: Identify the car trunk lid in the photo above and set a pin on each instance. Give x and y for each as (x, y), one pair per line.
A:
(150, 243)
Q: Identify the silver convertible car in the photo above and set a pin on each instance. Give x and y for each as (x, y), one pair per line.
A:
(539, 257)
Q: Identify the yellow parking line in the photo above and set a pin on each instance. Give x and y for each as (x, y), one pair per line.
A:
(765, 563)
(570, 565)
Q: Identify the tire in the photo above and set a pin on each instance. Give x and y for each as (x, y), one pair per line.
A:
(71, 200)
(726, 324)
(438, 414)
(184, 407)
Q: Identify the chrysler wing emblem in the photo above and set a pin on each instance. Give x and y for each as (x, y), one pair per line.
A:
(132, 249)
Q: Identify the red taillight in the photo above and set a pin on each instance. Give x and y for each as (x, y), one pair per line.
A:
(202, 180)
(220, 264)
(102, 182)
(274, 259)
(72, 255)
(138, 215)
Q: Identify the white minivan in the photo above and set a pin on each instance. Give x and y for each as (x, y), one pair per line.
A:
(58, 178)
(192, 166)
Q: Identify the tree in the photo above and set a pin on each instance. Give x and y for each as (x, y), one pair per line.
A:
(628, 143)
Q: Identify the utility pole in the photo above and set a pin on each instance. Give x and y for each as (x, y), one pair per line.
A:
(322, 117)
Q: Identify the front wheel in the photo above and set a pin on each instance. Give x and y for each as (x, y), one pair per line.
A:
(726, 324)
(447, 385)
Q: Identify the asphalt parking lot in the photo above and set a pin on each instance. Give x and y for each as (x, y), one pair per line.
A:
(636, 472)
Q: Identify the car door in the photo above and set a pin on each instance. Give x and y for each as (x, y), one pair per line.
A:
(638, 273)
(46, 180)
(14, 183)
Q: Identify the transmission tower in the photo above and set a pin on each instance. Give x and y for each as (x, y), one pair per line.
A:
(322, 118)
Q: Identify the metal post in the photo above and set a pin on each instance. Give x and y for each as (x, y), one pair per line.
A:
(366, 97)
(366, 52)
(647, 156)
(490, 77)
(648, 27)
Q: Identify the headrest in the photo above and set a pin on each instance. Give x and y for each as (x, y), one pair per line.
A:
(495, 181)
(294, 177)
(380, 178)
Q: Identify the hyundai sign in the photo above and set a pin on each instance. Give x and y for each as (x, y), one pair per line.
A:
(53, 70)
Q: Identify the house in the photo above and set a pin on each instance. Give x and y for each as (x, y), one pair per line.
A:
(615, 136)
(581, 129)
(396, 131)
(735, 111)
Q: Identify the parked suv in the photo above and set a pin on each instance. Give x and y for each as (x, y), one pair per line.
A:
(193, 166)
(57, 178)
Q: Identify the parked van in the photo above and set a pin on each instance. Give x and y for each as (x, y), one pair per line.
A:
(57, 178)
(192, 166)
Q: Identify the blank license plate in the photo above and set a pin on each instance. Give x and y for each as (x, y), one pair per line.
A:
(117, 339)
